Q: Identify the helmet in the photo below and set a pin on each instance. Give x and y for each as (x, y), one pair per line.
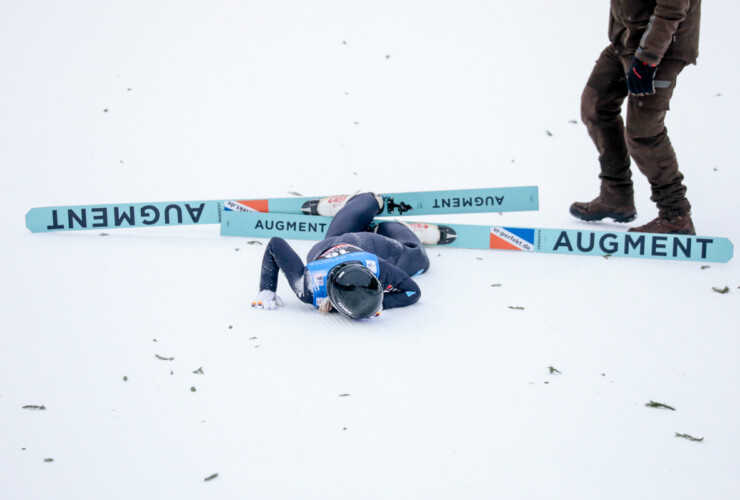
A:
(354, 290)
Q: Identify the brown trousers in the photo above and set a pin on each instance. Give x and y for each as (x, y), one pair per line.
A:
(645, 138)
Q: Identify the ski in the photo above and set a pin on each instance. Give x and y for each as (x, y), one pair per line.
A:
(560, 241)
(176, 213)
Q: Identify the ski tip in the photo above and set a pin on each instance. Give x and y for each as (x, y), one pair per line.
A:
(31, 224)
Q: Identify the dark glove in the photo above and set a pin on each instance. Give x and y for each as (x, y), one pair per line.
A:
(640, 78)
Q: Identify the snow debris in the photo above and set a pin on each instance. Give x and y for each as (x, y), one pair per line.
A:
(35, 407)
(689, 437)
(654, 404)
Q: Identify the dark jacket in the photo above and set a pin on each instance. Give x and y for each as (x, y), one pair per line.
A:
(656, 29)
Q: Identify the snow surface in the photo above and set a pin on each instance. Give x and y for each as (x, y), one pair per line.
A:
(104, 101)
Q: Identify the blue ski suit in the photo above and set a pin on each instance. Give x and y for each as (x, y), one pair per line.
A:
(400, 254)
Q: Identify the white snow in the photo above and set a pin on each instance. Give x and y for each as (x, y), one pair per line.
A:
(105, 102)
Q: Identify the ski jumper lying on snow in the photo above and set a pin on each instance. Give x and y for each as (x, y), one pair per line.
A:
(356, 269)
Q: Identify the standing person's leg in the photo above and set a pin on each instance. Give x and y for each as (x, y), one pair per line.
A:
(601, 112)
(601, 108)
(649, 145)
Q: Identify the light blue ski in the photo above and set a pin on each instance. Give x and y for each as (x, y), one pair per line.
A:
(175, 213)
(561, 241)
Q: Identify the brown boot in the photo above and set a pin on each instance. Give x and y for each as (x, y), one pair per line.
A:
(597, 210)
(667, 224)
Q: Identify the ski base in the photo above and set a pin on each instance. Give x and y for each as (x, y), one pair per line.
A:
(560, 241)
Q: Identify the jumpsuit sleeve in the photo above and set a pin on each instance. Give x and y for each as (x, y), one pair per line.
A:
(400, 289)
(663, 24)
(280, 256)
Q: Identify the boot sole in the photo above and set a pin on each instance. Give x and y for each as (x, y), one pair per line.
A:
(615, 216)
(682, 233)
(446, 235)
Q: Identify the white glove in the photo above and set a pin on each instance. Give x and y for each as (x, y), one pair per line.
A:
(267, 299)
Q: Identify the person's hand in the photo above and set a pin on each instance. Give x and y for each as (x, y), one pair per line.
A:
(267, 299)
(640, 78)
